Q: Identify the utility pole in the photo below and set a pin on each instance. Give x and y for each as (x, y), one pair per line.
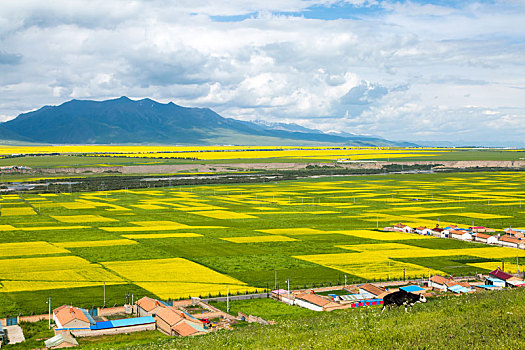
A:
(289, 296)
(104, 294)
(389, 268)
(345, 280)
(227, 298)
(517, 265)
(275, 285)
(49, 306)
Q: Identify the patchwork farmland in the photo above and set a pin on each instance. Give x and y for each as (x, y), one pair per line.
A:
(200, 240)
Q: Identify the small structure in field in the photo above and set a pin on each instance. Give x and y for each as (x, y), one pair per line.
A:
(61, 340)
(369, 291)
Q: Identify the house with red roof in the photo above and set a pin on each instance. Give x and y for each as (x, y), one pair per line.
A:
(369, 291)
(510, 280)
(316, 302)
(148, 306)
(67, 316)
(460, 234)
(171, 321)
(484, 238)
(512, 242)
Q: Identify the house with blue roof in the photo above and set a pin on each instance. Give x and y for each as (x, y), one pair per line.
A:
(413, 289)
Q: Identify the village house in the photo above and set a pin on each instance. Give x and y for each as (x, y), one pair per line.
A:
(403, 228)
(67, 316)
(507, 241)
(174, 322)
(515, 232)
(282, 295)
(509, 280)
(481, 229)
(316, 302)
(369, 291)
(148, 306)
(445, 284)
(460, 234)
(423, 230)
(484, 238)
(438, 282)
(439, 232)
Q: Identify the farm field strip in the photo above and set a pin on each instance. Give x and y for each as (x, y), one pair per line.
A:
(195, 240)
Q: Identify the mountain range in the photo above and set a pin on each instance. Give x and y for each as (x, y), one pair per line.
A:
(123, 120)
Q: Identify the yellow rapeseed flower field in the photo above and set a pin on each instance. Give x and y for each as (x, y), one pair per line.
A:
(172, 278)
(86, 244)
(162, 235)
(29, 274)
(82, 218)
(259, 239)
(29, 248)
(17, 211)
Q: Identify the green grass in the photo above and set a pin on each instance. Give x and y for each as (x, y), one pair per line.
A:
(485, 320)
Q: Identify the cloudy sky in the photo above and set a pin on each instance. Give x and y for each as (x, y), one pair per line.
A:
(407, 70)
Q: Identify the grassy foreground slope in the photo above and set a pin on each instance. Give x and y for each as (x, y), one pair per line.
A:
(492, 320)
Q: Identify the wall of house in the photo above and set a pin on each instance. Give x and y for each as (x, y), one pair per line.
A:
(111, 310)
(112, 331)
(76, 324)
(308, 305)
(163, 326)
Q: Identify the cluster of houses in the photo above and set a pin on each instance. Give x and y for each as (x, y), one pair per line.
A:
(513, 238)
(178, 318)
(334, 298)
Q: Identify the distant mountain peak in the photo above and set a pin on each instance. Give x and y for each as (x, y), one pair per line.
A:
(123, 120)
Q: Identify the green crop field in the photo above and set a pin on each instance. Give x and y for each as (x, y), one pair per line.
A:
(197, 240)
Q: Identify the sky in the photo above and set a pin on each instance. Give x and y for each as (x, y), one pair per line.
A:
(403, 70)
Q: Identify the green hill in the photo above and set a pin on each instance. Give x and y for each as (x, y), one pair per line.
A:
(485, 320)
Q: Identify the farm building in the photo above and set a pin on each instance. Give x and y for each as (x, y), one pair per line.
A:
(369, 291)
(480, 229)
(507, 241)
(315, 302)
(174, 322)
(413, 289)
(510, 280)
(438, 282)
(496, 282)
(403, 228)
(282, 295)
(515, 232)
(460, 234)
(439, 232)
(67, 316)
(149, 307)
(423, 230)
(459, 289)
(483, 238)
(61, 340)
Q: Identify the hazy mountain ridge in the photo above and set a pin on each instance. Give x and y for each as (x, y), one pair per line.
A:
(123, 120)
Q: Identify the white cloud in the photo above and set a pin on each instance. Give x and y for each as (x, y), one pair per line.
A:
(418, 68)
